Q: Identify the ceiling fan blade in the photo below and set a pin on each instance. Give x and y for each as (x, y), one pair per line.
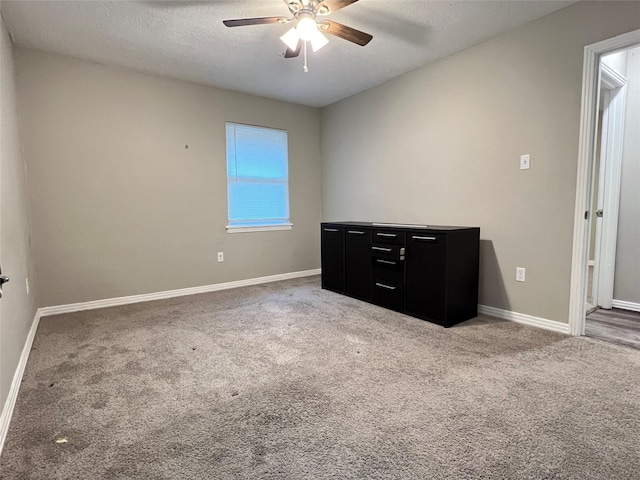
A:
(293, 53)
(348, 33)
(241, 22)
(333, 6)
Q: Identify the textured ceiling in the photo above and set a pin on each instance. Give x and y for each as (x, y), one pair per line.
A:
(187, 40)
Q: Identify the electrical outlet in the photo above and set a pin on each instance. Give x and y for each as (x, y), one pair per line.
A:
(520, 274)
(221, 256)
(525, 162)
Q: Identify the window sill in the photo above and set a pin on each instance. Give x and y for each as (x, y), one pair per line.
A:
(264, 228)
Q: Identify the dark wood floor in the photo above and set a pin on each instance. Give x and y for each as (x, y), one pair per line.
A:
(615, 326)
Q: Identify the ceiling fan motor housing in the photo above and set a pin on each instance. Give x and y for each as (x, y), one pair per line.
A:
(315, 6)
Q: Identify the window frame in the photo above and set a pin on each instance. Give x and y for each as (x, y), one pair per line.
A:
(257, 228)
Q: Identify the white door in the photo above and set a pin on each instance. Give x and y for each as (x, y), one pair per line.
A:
(613, 103)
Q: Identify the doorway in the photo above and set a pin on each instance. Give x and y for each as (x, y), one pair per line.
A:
(615, 226)
(607, 172)
(598, 182)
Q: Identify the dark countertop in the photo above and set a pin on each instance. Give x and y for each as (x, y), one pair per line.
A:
(400, 226)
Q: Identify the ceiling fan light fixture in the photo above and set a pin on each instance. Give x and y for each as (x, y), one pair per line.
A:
(291, 38)
(318, 40)
(309, 32)
(307, 27)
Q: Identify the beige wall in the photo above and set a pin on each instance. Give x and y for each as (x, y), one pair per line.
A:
(17, 309)
(627, 270)
(441, 145)
(121, 207)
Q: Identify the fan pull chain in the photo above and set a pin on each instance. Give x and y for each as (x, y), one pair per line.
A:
(305, 68)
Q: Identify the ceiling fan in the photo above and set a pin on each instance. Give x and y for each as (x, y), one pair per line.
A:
(308, 27)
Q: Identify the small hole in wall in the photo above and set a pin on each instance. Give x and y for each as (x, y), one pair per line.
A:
(186, 147)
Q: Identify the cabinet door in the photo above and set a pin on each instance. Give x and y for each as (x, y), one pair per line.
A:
(332, 261)
(357, 263)
(425, 276)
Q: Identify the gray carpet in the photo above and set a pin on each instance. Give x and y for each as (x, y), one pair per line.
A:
(287, 381)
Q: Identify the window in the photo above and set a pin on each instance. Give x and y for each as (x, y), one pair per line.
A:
(257, 179)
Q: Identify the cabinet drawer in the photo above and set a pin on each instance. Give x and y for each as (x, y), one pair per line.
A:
(391, 252)
(388, 294)
(352, 231)
(425, 239)
(391, 270)
(388, 237)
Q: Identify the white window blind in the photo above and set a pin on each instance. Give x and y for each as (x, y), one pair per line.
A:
(257, 177)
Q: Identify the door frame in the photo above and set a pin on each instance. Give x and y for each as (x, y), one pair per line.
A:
(584, 187)
(614, 90)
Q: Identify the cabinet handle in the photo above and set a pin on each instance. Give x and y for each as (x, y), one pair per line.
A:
(331, 230)
(382, 285)
(355, 232)
(393, 235)
(388, 262)
(426, 239)
(381, 249)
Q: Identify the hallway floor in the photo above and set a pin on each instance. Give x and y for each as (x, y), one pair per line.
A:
(615, 326)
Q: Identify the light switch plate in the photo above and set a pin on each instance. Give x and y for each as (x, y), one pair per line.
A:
(520, 274)
(525, 162)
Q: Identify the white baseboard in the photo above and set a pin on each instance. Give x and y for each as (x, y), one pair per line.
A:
(524, 319)
(10, 402)
(147, 297)
(634, 307)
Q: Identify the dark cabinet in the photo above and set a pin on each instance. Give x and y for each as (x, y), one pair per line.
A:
(357, 263)
(332, 257)
(427, 272)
